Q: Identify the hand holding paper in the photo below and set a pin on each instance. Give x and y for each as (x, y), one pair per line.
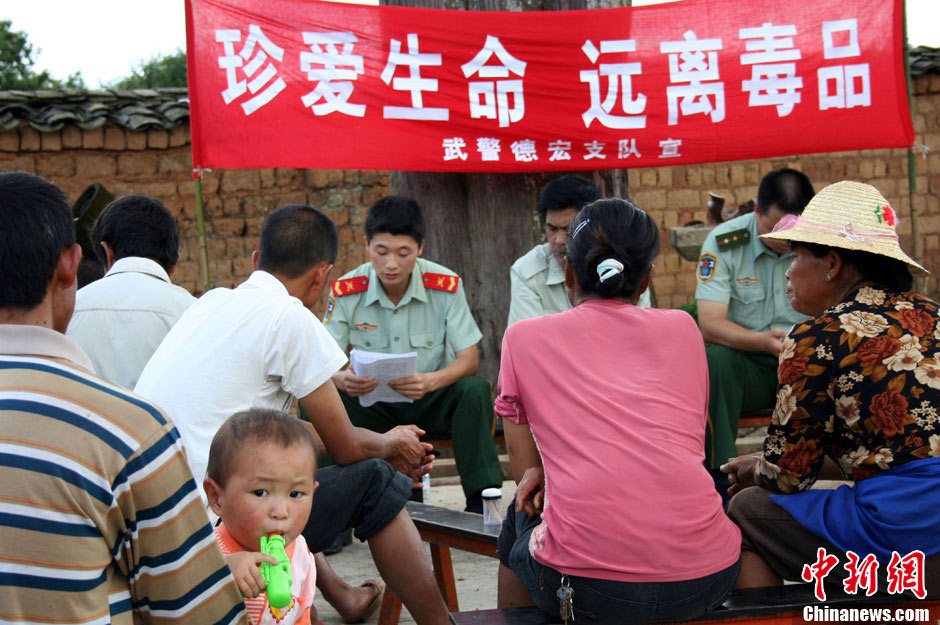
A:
(383, 368)
(357, 385)
(413, 387)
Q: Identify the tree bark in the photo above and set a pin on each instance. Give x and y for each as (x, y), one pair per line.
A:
(480, 223)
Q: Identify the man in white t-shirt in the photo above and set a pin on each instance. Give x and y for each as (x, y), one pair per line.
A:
(120, 319)
(259, 345)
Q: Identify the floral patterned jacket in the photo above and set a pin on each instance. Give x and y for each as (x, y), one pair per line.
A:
(861, 384)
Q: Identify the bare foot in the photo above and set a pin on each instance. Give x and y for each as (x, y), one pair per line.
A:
(361, 602)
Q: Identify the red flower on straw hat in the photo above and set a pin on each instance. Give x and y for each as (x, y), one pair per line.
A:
(886, 215)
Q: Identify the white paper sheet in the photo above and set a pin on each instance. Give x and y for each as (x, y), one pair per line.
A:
(384, 367)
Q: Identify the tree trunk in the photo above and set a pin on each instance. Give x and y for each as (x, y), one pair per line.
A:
(480, 223)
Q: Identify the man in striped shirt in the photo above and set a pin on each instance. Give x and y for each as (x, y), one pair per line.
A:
(100, 517)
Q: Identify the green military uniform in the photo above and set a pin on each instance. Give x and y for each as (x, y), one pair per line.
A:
(434, 320)
(538, 286)
(736, 269)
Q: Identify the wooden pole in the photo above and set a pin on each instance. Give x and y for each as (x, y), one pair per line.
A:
(201, 221)
(911, 160)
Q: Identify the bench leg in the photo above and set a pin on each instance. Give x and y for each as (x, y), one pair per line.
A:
(391, 608)
(444, 574)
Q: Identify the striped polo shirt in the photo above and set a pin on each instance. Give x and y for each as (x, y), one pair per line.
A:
(99, 514)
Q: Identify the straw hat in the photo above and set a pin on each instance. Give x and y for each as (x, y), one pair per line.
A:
(848, 215)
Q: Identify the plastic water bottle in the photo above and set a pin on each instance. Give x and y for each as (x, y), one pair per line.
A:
(426, 488)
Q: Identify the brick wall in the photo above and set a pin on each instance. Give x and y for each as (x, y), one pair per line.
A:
(158, 163)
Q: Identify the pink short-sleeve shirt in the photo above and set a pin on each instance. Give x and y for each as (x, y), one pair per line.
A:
(616, 397)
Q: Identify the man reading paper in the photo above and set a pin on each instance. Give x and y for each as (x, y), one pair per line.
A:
(400, 303)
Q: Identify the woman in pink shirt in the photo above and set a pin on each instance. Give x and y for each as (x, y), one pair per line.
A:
(604, 408)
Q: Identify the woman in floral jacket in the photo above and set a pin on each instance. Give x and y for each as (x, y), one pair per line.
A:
(859, 384)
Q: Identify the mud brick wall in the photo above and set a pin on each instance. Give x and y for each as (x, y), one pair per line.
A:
(158, 163)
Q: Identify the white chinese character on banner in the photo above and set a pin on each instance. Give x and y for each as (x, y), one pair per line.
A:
(670, 148)
(773, 76)
(333, 66)
(261, 78)
(688, 63)
(488, 147)
(561, 150)
(491, 99)
(851, 83)
(524, 150)
(618, 83)
(627, 148)
(831, 50)
(414, 83)
(453, 148)
(595, 149)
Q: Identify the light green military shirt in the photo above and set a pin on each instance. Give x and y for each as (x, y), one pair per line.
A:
(434, 323)
(537, 284)
(746, 275)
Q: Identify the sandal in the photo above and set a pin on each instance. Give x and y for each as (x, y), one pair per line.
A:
(376, 603)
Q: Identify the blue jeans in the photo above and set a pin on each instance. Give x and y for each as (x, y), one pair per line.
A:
(604, 601)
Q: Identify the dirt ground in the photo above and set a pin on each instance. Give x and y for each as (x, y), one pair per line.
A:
(475, 574)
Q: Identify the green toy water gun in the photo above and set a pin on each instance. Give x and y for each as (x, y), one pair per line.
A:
(276, 576)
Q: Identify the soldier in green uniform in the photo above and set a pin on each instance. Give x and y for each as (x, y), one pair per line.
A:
(400, 303)
(743, 311)
(537, 279)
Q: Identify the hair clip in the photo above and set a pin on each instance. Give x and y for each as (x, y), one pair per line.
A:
(608, 268)
(580, 226)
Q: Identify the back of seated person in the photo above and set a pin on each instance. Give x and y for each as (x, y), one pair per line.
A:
(120, 319)
(259, 345)
(604, 410)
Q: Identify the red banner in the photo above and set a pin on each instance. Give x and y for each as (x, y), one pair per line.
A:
(308, 84)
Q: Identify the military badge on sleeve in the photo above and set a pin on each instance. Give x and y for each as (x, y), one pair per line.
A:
(330, 305)
(707, 264)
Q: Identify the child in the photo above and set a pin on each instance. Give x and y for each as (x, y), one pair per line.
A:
(260, 480)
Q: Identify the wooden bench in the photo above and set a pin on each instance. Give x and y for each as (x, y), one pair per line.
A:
(751, 419)
(442, 440)
(781, 605)
(443, 528)
(755, 418)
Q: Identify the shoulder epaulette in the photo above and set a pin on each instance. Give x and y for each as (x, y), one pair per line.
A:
(350, 286)
(733, 239)
(440, 282)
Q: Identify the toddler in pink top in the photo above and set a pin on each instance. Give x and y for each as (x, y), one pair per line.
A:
(604, 409)
(260, 481)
